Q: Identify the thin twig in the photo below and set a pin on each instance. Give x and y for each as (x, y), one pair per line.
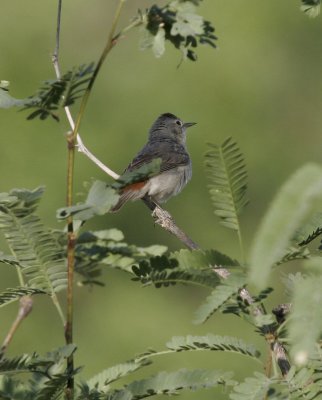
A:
(25, 307)
(70, 241)
(56, 51)
(108, 47)
(83, 149)
(71, 140)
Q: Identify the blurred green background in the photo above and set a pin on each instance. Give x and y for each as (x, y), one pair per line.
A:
(261, 85)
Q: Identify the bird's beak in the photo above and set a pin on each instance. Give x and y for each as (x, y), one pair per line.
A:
(188, 124)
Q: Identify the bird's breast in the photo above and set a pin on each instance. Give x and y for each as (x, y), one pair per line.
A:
(169, 183)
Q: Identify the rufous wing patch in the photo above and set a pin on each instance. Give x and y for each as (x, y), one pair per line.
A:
(134, 186)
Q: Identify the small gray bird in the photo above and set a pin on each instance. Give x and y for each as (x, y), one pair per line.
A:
(167, 141)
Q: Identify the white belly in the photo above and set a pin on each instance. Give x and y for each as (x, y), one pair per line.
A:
(168, 184)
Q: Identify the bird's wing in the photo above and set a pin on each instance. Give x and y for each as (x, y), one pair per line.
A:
(171, 154)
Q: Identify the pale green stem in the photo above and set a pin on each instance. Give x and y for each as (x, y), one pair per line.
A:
(55, 300)
(71, 239)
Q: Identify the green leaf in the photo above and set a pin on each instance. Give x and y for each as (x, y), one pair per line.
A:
(7, 101)
(188, 23)
(35, 248)
(13, 294)
(304, 383)
(213, 343)
(97, 249)
(170, 383)
(10, 260)
(158, 45)
(93, 251)
(178, 23)
(311, 7)
(294, 253)
(100, 199)
(202, 259)
(60, 92)
(305, 324)
(101, 381)
(93, 394)
(218, 297)
(162, 272)
(186, 266)
(290, 206)
(36, 363)
(53, 388)
(310, 230)
(23, 363)
(109, 234)
(227, 172)
(155, 250)
(264, 320)
(253, 388)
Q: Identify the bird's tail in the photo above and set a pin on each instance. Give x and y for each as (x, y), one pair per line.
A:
(131, 192)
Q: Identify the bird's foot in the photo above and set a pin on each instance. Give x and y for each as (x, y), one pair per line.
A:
(161, 216)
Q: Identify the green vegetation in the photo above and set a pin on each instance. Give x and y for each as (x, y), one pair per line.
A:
(256, 282)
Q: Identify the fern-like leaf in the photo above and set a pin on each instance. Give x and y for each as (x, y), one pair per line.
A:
(213, 343)
(305, 325)
(12, 389)
(170, 383)
(96, 249)
(53, 388)
(23, 363)
(202, 259)
(12, 294)
(310, 230)
(10, 260)
(253, 388)
(35, 363)
(168, 277)
(35, 248)
(227, 172)
(218, 297)
(59, 93)
(185, 266)
(294, 253)
(311, 7)
(291, 205)
(102, 380)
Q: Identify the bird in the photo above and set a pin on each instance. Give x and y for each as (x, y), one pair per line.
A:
(167, 142)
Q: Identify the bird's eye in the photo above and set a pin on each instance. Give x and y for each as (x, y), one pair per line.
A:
(178, 122)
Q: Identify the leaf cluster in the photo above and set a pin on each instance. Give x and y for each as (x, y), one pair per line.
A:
(48, 375)
(191, 267)
(60, 92)
(311, 7)
(178, 23)
(107, 248)
(35, 250)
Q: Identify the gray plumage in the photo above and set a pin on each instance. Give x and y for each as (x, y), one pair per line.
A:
(167, 141)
